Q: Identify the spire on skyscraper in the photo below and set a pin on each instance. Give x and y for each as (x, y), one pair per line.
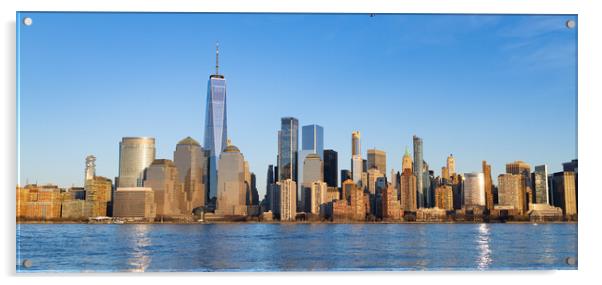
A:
(216, 58)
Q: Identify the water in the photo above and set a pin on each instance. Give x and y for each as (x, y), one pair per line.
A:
(297, 247)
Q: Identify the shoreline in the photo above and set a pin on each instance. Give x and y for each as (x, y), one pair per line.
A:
(287, 223)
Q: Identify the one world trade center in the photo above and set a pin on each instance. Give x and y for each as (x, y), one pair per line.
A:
(216, 127)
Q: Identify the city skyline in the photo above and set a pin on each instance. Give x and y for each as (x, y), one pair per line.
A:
(529, 144)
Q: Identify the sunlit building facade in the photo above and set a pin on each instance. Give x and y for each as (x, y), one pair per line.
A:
(135, 155)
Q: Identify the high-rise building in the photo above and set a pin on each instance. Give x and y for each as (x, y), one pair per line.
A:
(511, 192)
(135, 155)
(313, 139)
(474, 189)
(90, 168)
(319, 196)
(419, 172)
(170, 198)
(444, 197)
(407, 189)
(570, 166)
(406, 161)
(357, 163)
(312, 172)
(232, 190)
(99, 192)
(189, 159)
(523, 169)
(370, 178)
(451, 165)
(268, 185)
(288, 199)
(135, 202)
(356, 148)
(565, 192)
(488, 186)
(288, 147)
(377, 159)
(216, 123)
(345, 175)
(331, 168)
(540, 184)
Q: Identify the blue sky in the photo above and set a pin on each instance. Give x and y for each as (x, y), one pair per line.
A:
(493, 87)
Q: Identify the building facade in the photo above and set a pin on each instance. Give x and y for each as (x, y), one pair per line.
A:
(288, 147)
(232, 190)
(135, 155)
(135, 202)
(189, 159)
(170, 199)
(288, 199)
(474, 190)
(540, 184)
(511, 192)
(377, 159)
(331, 168)
(418, 171)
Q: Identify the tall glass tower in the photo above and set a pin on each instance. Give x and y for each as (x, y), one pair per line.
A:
(216, 127)
(288, 147)
(418, 171)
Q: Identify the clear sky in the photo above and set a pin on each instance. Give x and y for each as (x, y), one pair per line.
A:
(493, 87)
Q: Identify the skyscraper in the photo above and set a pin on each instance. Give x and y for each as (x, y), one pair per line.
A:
(564, 189)
(406, 161)
(488, 185)
(288, 204)
(312, 172)
(345, 175)
(419, 172)
(540, 182)
(357, 163)
(511, 192)
(189, 158)
(313, 139)
(216, 127)
(474, 189)
(451, 165)
(163, 179)
(356, 148)
(524, 170)
(90, 168)
(232, 194)
(377, 159)
(331, 168)
(288, 147)
(135, 155)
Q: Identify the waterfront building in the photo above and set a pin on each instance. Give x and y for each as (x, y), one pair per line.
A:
(135, 203)
(288, 142)
(544, 213)
(488, 186)
(39, 202)
(189, 159)
(451, 165)
(474, 190)
(216, 124)
(254, 192)
(444, 197)
(419, 171)
(331, 168)
(431, 215)
(524, 170)
(99, 192)
(318, 197)
(456, 183)
(78, 209)
(163, 178)
(90, 171)
(511, 192)
(540, 184)
(288, 199)
(77, 193)
(269, 182)
(135, 155)
(565, 192)
(274, 198)
(312, 172)
(408, 191)
(377, 159)
(231, 194)
(353, 205)
(391, 207)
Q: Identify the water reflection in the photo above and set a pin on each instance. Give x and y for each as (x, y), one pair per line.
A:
(482, 239)
(139, 254)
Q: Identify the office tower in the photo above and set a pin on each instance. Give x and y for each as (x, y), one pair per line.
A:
(458, 189)
(377, 159)
(356, 148)
(565, 192)
(474, 190)
(488, 186)
(231, 187)
(418, 172)
(269, 182)
(288, 141)
(523, 169)
(254, 192)
(319, 196)
(345, 175)
(407, 189)
(162, 176)
(570, 166)
(451, 165)
(406, 161)
(444, 197)
(90, 168)
(216, 123)
(369, 182)
(312, 172)
(135, 155)
(288, 199)
(331, 168)
(313, 139)
(135, 202)
(511, 192)
(444, 174)
(540, 184)
(391, 207)
(274, 194)
(189, 158)
(98, 191)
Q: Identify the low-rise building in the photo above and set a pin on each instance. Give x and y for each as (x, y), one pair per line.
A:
(135, 202)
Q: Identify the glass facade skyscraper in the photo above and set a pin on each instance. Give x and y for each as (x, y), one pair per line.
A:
(313, 139)
(540, 181)
(331, 168)
(135, 155)
(288, 147)
(418, 171)
(216, 127)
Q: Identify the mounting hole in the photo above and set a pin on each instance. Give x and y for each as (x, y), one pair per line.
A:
(27, 21)
(570, 24)
(571, 261)
(27, 263)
